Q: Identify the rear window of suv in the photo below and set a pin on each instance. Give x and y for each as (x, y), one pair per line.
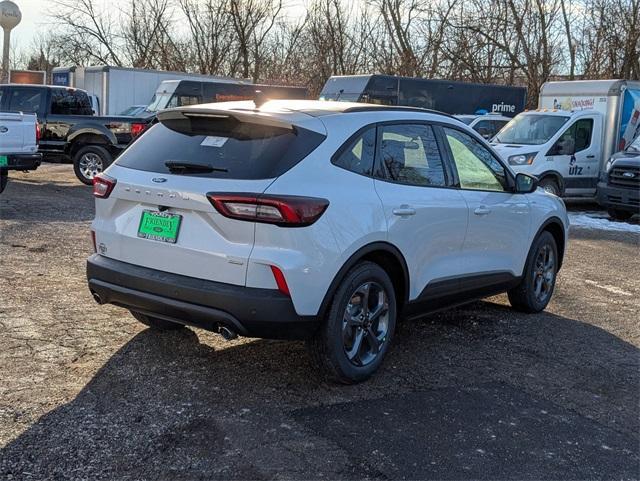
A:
(234, 150)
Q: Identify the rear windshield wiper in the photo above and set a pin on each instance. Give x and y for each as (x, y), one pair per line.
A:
(177, 167)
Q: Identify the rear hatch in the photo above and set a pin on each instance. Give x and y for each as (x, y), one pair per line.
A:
(159, 214)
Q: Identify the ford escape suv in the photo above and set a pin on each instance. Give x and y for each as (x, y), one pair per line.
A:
(322, 221)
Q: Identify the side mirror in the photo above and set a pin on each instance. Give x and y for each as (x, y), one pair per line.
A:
(525, 183)
(563, 147)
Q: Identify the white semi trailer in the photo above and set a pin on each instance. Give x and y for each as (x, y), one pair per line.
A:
(576, 129)
(118, 88)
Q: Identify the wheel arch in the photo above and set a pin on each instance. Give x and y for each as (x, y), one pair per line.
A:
(388, 257)
(555, 227)
(84, 139)
(555, 175)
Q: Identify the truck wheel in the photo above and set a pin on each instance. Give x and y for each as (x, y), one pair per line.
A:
(4, 179)
(90, 161)
(618, 214)
(358, 329)
(536, 288)
(550, 185)
(156, 323)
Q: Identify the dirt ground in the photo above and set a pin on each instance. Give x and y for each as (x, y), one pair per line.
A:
(479, 392)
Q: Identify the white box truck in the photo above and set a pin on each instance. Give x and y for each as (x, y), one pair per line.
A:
(576, 129)
(118, 88)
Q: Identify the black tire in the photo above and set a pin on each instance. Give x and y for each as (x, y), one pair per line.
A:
(524, 297)
(89, 161)
(550, 185)
(618, 214)
(4, 179)
(156, 323)
(328, 348)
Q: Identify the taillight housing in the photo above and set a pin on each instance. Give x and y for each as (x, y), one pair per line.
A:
(137, 129)
(280, 210)
(103, 186)
(38, 133)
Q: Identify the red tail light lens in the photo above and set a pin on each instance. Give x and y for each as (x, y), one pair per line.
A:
(103, 185)
(281, 210)
(38, 133)
(280, 280)
(137, 129)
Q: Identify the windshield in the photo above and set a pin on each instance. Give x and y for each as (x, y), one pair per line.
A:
(160, 101)
(530, 129)
(467, 119)
(635, 145)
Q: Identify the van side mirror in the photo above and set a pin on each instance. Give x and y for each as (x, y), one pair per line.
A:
(563, 147)
(525, 183)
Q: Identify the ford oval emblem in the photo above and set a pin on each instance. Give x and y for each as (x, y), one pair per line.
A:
(3, 129)
(628, 174)
(159, 180)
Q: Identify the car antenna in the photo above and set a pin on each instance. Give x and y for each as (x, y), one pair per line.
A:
(259, 99)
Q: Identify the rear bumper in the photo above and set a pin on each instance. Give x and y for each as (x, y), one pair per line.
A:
(251, 312)
(23, 162)
(623, 198)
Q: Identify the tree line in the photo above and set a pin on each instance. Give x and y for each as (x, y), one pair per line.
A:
(515, 42)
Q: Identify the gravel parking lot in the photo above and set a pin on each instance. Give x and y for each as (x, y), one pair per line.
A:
(479, 392)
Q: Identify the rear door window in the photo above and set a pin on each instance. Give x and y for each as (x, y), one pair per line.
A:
(25, 99)
(234, 150)
(409, 154)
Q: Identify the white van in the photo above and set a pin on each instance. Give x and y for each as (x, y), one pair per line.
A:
(577, 127)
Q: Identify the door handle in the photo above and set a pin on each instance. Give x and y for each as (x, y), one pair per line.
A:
(404, 210)
(482, 210)
(591, 156)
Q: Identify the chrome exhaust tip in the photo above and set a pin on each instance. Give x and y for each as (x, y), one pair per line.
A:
(227, 333)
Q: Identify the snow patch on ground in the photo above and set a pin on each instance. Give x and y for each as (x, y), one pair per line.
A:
(600, 221)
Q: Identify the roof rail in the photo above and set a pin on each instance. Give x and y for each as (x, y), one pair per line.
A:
(374, 108)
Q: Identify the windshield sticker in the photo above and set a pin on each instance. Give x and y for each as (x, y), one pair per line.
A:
(212, 141)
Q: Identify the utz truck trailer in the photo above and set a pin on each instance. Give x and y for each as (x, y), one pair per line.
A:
(576, 129)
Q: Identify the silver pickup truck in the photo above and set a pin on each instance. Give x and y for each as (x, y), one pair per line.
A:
(19, 136)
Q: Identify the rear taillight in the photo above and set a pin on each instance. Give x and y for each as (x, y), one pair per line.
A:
(103, 185)
(38, 133)
(137, 129)
(281, 210)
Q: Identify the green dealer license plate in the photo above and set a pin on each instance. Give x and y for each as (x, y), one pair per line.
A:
(159, 226)
(4, 161)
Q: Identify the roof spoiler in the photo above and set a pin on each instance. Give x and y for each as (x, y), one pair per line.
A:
(244, 116)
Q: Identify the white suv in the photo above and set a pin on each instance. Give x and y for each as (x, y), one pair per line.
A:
(324, 221)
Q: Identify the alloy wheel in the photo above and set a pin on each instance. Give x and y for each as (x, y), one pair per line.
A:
(365, 323)
(544, 271)
(90, 165)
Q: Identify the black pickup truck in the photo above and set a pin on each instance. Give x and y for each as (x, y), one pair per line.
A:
(68, 128)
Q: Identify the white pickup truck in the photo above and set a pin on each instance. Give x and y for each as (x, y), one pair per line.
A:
(19, 136)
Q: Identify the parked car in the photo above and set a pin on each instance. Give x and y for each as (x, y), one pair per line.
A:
(486, 125)
(619, 187)
(19, 135)
(134, 111)
(314, 220)
(578, 126)
(69, 129)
